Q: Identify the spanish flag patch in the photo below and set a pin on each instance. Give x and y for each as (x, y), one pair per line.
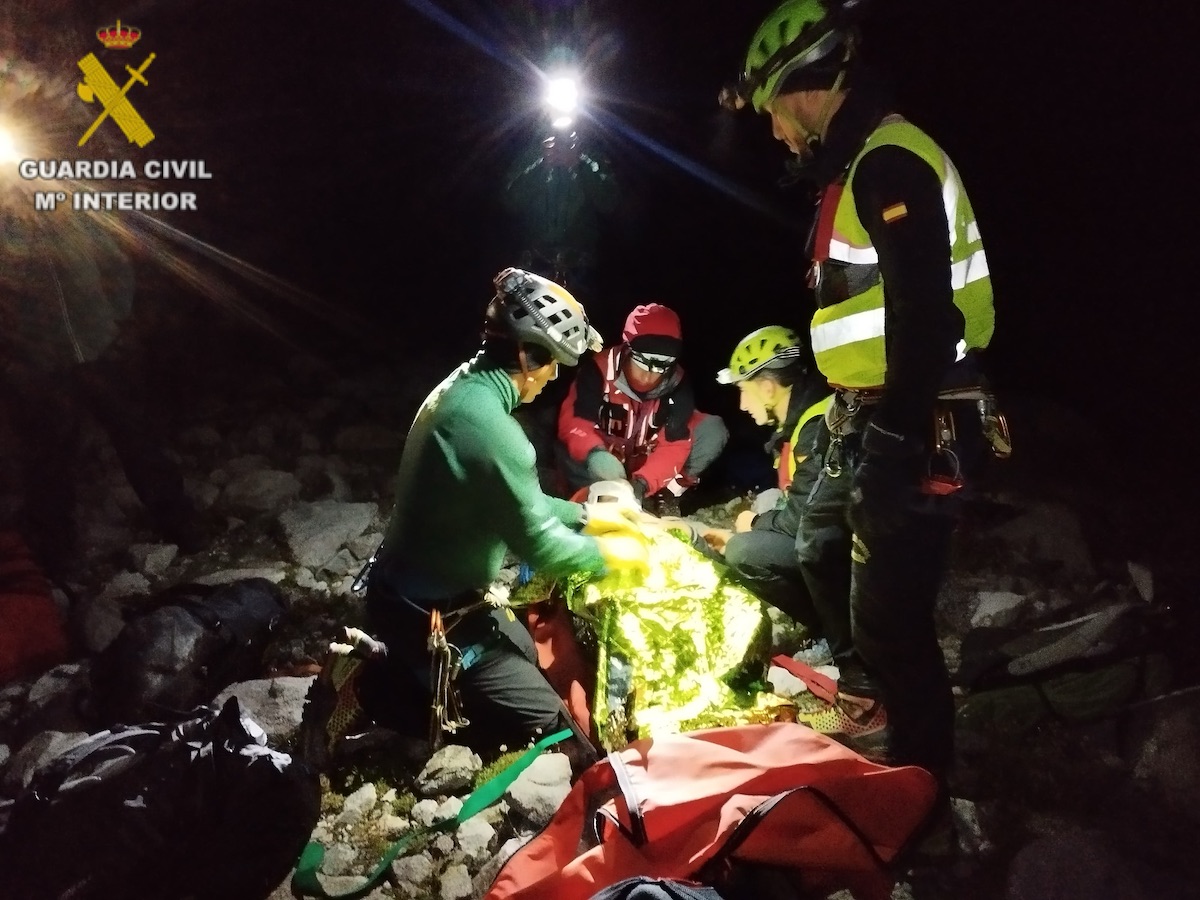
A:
(895, 213)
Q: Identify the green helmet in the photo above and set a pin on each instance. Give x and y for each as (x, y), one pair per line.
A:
(770, 347)
(798, 34)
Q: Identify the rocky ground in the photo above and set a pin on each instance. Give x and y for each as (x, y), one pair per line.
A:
(292, 471)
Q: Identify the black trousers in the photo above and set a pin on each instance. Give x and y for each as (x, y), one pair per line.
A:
(505, 696)
(876, 598)
(822, 552)
(766, 563)
(892, 598)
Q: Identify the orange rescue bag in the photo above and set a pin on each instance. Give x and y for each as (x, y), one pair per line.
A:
(709, 806)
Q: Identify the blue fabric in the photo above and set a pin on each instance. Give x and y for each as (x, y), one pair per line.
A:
(524, 574)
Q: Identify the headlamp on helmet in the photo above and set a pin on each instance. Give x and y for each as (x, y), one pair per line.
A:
(536, 310)
(562, 101)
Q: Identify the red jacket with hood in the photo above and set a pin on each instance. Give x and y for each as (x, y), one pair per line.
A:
(652, 432)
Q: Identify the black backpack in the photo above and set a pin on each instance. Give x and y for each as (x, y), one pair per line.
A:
(643, 887)
(197, 810)
(197, 641)
(1075, 671)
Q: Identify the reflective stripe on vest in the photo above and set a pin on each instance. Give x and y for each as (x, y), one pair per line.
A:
(787, 465)
(848, 336)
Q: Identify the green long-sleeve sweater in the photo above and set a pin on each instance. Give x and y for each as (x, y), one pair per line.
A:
(468, 490)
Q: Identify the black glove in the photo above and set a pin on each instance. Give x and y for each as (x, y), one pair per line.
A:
(886, 483)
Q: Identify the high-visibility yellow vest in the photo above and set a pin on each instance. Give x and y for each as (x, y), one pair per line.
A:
(787, 460)
(848, 336)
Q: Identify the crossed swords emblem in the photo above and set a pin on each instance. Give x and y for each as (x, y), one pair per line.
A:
(98, 84)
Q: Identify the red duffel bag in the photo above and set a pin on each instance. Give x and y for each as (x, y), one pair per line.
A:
(711, 806)
(32, 636)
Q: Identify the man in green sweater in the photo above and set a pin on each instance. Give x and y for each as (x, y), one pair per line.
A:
(466, 493)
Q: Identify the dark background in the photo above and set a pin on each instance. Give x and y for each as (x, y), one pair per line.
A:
(358, 152)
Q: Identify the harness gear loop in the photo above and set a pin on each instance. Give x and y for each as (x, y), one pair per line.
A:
(448, 660)
(839, 418)
(849, 401)
(944, 431)
(445, 662)
(945, 434)
(943, 484)
(833, 458)
(995, 427)
(992, 422)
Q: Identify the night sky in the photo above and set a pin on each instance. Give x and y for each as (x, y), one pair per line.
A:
(358, 151)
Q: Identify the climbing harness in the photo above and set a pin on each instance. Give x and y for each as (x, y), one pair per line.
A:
(991, 420)
(447, 661)
(839, 418)
(941, 479)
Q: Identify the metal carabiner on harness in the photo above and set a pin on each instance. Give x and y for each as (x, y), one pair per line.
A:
(840, 412)
(995, 427)
(360, 580)
(833, 458)
(945, 434)
(445, 714)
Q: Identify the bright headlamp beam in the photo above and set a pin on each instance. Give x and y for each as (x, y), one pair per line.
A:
(8, 147)
(433, 12)
(712, 179)
(562, 94)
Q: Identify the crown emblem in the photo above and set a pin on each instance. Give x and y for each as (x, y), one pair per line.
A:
(118, 37)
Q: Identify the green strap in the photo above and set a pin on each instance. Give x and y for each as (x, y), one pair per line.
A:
(306, 884)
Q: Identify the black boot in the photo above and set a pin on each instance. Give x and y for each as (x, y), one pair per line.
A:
(663, 504)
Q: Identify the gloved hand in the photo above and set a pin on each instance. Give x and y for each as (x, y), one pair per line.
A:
(886, 483)
(611, 518)
(625, 555)
(768, 500)
(744, 521)
(603, 466)
(640, 486)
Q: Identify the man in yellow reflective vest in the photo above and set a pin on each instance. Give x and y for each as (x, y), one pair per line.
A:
(904, 304)
(771, 370)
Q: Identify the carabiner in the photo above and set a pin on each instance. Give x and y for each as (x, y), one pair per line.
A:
(995, 427)
(445, 714)
(943, 485)
(833, 458)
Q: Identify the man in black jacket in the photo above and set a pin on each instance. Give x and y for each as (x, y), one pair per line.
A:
(904, 305)
(776, 389)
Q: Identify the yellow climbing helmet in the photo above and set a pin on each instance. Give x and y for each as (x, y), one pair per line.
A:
(769, 347)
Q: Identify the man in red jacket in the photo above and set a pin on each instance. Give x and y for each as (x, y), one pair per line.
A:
(632, 415)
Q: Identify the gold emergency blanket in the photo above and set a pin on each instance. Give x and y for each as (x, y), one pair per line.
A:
(687, 648)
